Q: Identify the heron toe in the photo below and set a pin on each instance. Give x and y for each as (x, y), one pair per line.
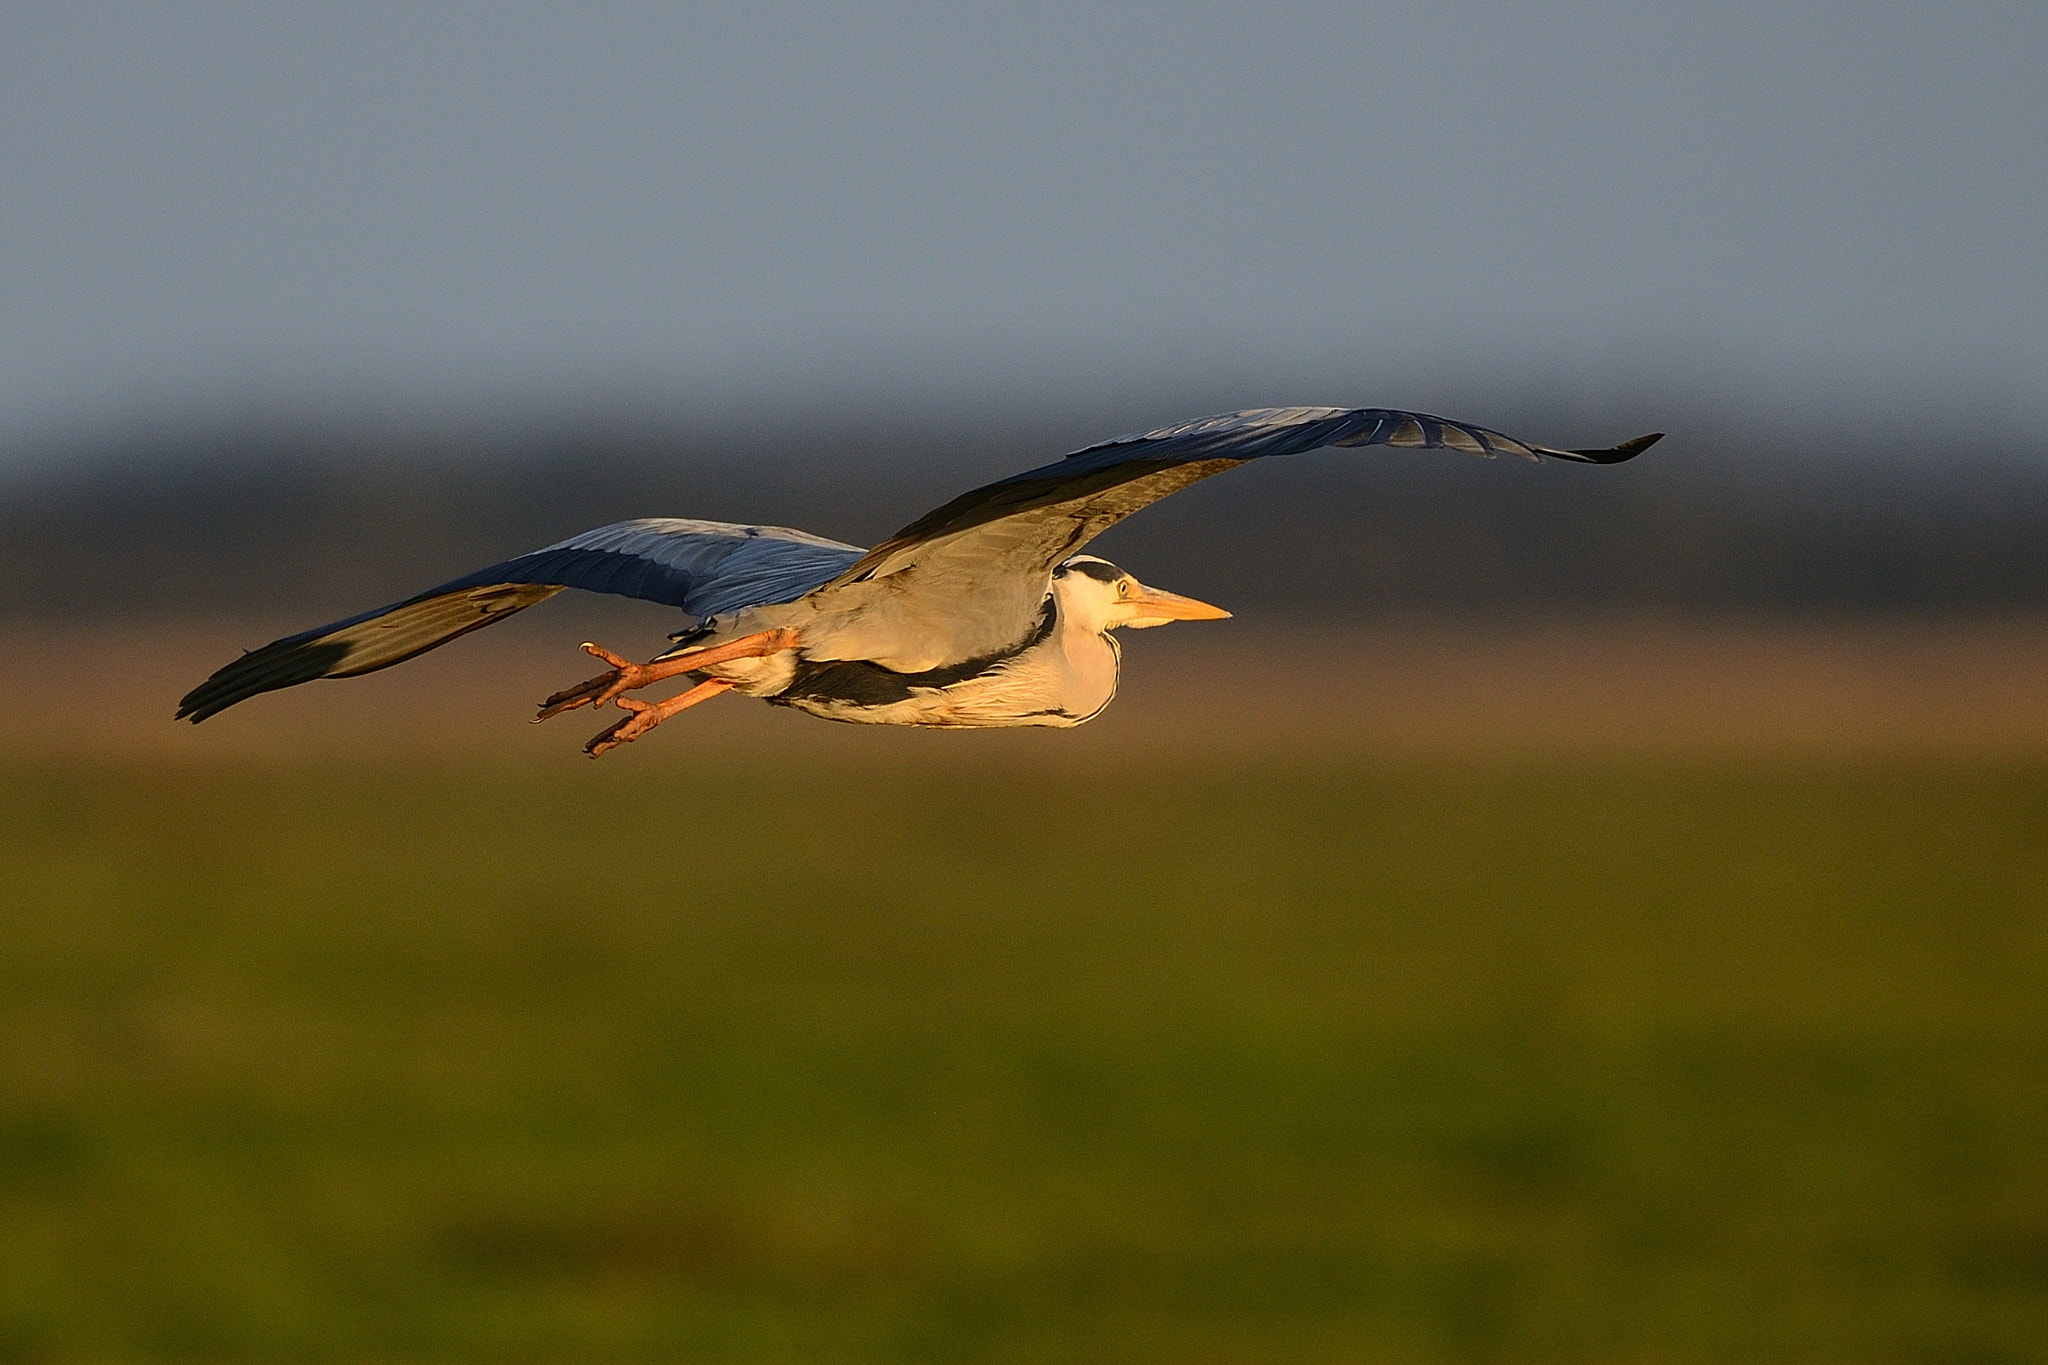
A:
(591, 692)
(616, 661)
(625, 676)
(641, 719)
(647, 715)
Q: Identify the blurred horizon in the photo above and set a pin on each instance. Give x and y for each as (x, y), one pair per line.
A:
(322, 514)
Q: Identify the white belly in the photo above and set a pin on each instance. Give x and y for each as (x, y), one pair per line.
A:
(1061, 683)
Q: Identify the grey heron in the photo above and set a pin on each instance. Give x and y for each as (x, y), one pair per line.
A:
(980, 613)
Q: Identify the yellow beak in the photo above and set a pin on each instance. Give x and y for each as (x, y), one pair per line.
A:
(1171, 606)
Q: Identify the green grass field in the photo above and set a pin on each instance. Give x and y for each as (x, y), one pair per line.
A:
(1359, 1062)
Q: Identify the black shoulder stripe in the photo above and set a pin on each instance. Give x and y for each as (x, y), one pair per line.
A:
(860, 683)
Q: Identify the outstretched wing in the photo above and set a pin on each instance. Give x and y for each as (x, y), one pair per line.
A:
(706, 568)
(991, 549)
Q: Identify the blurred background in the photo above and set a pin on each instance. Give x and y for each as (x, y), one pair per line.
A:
(1567, 914)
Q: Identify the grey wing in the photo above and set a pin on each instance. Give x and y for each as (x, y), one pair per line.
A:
(706, 568)
(991, 549)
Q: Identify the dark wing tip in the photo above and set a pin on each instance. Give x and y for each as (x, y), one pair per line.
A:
(203, 701)
(1627, 450)
(285, 663)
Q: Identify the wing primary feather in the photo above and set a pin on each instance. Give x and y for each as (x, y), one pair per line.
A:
(1627, 450)
(361, 645)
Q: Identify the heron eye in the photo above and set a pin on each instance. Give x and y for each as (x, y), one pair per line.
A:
(1123, 588)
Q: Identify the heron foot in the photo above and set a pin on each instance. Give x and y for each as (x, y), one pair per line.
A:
(625, 676)
(644, 716)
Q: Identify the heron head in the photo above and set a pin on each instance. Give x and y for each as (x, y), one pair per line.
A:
(1096, 595)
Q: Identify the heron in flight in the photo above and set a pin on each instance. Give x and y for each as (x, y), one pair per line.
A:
(980, 613)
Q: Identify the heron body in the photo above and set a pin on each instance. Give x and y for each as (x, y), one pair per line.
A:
(982, 613)
(1060, 674)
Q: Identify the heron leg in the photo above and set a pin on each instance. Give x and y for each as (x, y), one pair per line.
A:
(627, 676)
(644, 716)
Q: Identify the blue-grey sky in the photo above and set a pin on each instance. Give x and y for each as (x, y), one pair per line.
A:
(400, 205)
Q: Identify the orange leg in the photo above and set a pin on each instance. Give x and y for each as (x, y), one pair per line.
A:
(627, 676)
(646, 716)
